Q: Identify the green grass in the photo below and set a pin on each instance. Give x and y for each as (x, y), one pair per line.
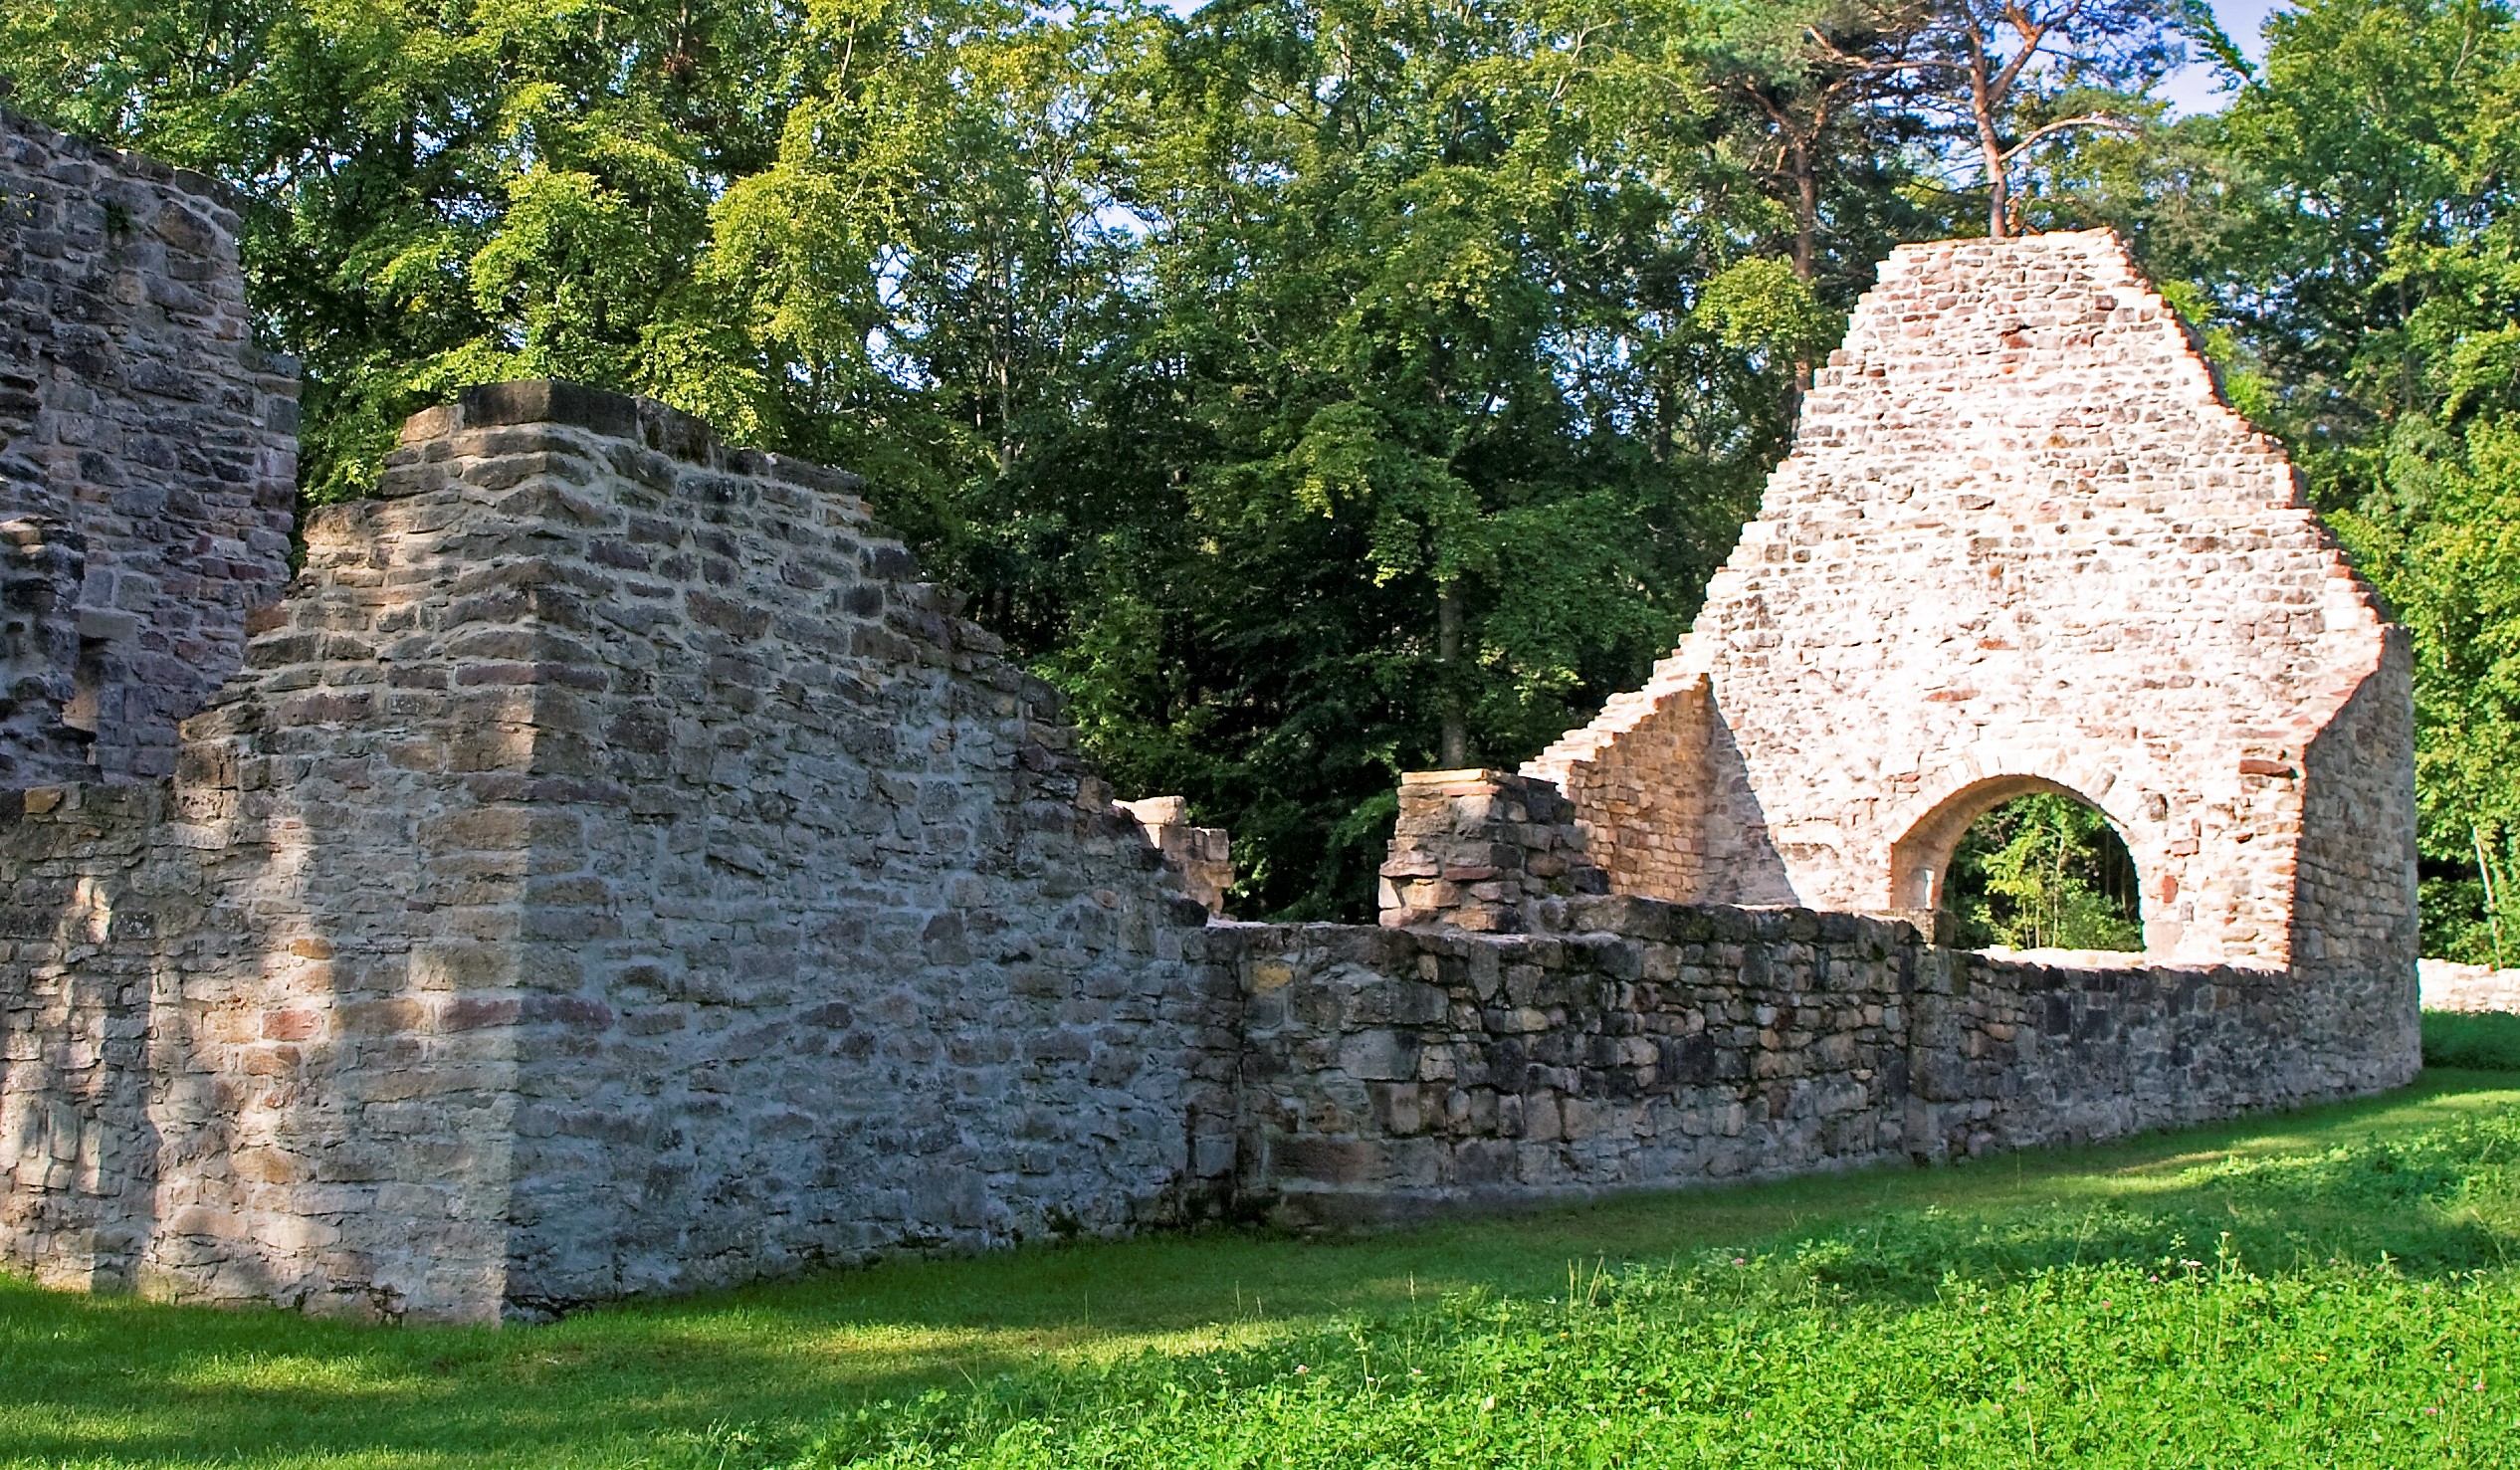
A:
(2326, 1287)
(2487, 1039)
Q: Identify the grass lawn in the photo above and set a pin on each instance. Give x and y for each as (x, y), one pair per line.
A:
(2334, 1287)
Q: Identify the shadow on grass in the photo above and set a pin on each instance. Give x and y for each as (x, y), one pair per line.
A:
(121, 1383)
(2475, 1040)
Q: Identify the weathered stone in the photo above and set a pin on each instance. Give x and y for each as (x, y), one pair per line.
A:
(147, 457)
(1203, 857)
(2469, 987)
(529, 972)
(1875, 1046)
(2022, 544)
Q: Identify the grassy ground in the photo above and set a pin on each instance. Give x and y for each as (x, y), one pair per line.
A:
(2490, 1040)
(2334, 1286)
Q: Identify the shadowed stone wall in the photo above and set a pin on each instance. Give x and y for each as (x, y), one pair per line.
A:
(145, 445)
(1627, 1043)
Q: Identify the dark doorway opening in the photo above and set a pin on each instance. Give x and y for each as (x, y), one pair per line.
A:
(2044, 872)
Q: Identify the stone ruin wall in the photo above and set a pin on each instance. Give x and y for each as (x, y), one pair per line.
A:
(2020, 544)
(612, 871)
(147, 457)
(1517, 1037)
(1625, 1043)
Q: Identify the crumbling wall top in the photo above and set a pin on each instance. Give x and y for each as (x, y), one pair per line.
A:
(146, 444)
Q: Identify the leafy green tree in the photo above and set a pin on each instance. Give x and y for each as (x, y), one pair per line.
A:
(1313, 389)
(439, 194)
(2044, 872)
(1437, 428)
(2347, 222)
(2007, 77)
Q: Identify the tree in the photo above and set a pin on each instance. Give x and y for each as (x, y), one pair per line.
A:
(1812, 79)
(1424, 373)
(2044, 872)
(2007, 76)
(1313, 389)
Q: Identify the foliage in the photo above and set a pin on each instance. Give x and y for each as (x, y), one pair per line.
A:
(1873, 1278)
(2044, 871)
(1310, 387)
(2489, 1040)
(1315, 389)
(2010, 79)
(1427, 418)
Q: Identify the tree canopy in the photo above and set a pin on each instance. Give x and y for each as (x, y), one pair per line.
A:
(1227, 359)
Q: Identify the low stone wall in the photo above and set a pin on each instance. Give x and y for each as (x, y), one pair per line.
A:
(1637, 1044)
(2449, 986)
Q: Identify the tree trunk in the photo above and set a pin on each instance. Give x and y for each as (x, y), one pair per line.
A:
(1982, 111)
(1806, 213)
(1456, 728)
(1807, 230)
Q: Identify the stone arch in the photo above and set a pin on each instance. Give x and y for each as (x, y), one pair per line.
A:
(1921, 854)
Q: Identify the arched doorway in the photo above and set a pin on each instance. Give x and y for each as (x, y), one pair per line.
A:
(2021, 862)
(2044, 871)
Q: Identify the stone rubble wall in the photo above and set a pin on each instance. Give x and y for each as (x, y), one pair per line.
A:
(1482, 851)
(141, 427)
(2448, 986)
(2020, 544)
(614, 873)
(2354, 917)
(1202, 857)
(1398, 1072)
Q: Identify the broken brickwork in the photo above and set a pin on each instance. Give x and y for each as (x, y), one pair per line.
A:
(1482, 851)
(1201, 857)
